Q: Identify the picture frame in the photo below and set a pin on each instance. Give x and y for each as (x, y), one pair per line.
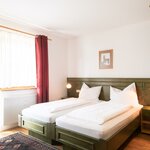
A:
(106, 59)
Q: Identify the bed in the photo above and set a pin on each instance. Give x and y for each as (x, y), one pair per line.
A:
(39, 119)
(74, 136)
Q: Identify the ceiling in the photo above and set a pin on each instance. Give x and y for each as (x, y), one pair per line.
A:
(76, 17)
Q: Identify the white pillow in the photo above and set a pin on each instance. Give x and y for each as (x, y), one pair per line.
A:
(127, 96)
(84, 86)
(89, 93)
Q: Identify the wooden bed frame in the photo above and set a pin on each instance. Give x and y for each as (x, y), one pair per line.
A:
(47, 131)
(74, 140)
(41, 130)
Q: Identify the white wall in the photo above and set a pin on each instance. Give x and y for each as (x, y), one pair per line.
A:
(131, 45)
(57, 57)
(57, 68)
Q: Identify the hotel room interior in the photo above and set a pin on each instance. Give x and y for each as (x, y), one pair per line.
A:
(74, 74)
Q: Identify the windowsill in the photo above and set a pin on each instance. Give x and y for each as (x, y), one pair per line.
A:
(18, 88)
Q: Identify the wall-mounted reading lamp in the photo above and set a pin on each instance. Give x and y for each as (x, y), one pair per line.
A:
(68, 86)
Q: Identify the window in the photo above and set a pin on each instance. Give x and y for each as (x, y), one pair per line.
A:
(17, 60)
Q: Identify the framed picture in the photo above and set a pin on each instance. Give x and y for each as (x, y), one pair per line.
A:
(106, 59)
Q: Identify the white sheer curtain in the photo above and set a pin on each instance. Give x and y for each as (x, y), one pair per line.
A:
(17, 60)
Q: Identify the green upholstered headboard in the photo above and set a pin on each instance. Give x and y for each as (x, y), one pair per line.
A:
(142, 86)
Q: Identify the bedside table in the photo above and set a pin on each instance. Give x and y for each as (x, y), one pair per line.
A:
(64, 97)
(145, 120)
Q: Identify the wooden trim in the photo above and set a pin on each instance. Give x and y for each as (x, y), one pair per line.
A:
(38, 129)
(18, 88)
(16, 30)
(74, 140)
(142, 86)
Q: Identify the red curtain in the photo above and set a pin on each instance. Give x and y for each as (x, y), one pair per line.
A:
(41, 46)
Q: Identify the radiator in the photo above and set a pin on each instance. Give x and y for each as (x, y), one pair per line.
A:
(11, 104)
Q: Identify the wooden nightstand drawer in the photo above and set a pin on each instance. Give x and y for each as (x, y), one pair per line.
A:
(146, 115)
(145, 119)
(146, 128)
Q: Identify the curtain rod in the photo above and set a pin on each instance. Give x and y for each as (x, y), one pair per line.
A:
(19, 31)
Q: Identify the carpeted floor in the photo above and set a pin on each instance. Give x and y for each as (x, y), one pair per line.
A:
(20, 141)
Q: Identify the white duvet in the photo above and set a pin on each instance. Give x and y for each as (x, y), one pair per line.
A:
(49, 111)
(55, 106)
(99, 113)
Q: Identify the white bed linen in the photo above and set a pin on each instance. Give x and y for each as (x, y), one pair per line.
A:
(60, 105)
(96, 131)
(100, 113)
(42, 112)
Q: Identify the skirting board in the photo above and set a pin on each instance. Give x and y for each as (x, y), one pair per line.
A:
(2, 128)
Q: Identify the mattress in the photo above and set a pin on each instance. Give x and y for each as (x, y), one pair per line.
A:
(43, 114)
(97, 131)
